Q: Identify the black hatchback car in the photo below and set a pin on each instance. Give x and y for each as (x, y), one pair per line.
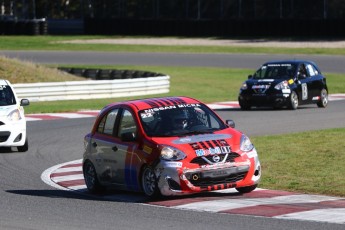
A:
(284, 84)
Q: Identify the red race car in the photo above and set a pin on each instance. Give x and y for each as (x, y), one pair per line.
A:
(167, 146)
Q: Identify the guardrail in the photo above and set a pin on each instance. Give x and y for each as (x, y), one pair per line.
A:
(93, 89)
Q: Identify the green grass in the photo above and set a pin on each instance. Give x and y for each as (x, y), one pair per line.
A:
(308, 162)
(52, 43)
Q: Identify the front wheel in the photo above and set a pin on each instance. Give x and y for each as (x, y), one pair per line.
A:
(293, 100)
(91, 180)
(322, 103)
(25, 147)
(149, 182)
(247, 189)
(244, 105)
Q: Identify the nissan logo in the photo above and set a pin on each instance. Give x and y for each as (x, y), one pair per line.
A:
(216, 158)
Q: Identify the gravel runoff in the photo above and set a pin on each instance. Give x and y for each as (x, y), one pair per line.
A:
(215, 42)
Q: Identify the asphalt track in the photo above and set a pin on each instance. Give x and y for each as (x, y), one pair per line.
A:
(28, 203)
(326, 63)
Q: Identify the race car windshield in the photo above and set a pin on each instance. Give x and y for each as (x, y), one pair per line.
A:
(6, 96)
(275, 71)
(179, 120)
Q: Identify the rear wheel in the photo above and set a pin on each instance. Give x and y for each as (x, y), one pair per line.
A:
(247, 189)
(293, 100)
(149, 182)
(25, 147)
(322, 103)
(90, 177)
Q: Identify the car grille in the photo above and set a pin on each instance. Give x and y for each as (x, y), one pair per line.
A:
(204, 182)
(4, 136)
(230, 157)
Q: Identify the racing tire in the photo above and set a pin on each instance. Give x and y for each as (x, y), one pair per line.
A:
(91, 180)
(149, 183)
(293, 100)
(247, 189)
(244, 105)
(322, 103)
(25, 147)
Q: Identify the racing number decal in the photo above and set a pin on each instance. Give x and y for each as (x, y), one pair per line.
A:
(304, 91)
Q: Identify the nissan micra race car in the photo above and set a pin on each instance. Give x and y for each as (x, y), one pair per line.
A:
(167, 146)
(12, 119)
(284, 84)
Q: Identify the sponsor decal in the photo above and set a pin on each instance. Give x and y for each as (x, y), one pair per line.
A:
(279, 64)
(213, 151)
(156, 109)
(260, 88)
(169, 164)
(147, 149)
(316, 98)
(201, 138)
(266, 80)
(291, 81)
(286, 90)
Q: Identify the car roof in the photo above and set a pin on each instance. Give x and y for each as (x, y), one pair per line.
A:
(294, 61)
(147, 103)
(4, 82)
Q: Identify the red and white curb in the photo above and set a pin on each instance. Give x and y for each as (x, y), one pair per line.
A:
(93, 113)
(261, 202)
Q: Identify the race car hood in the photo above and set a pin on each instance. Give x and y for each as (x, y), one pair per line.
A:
(202, 144)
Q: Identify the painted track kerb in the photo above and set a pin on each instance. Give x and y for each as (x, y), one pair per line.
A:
(260, 203)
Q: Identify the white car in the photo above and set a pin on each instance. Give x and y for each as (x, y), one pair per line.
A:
(12, 119)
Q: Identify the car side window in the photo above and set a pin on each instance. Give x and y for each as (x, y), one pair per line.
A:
(127, 123)
(106, 126)
(311, 70)
(302, 71)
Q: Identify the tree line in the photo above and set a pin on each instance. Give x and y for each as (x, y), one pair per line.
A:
(173, 9)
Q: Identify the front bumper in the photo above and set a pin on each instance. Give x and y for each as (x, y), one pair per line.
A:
(276, 100)
(12, 134)
(175, 179)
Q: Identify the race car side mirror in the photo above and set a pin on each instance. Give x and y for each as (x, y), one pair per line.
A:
(24, 102)
(230, 123)
(250, 76)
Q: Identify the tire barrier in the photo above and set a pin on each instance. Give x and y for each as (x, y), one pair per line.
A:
(24, 27)
(109, 74)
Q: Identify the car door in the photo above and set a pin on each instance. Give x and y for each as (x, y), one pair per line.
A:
(304, 84)
(102, 144)
(315, 81)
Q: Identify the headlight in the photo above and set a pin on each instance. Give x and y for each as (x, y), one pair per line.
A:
(244, 86)
(246, 144)
(171, 154)
(14, 115)
(282, 85)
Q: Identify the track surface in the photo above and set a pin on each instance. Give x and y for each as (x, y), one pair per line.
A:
(28, 203)
(326, 63)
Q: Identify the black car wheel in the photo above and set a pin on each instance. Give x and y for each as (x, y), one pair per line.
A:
(149, 182)
(25, 147)
(90, 177)
(246, 189)
(322, 103)
(293, 100)
(244, 105)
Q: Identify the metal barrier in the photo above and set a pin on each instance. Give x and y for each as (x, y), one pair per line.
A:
(89, 89)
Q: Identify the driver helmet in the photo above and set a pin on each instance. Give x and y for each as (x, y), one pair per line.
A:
(180, 119)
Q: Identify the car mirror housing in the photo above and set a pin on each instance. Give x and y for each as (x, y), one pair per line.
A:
(230, 123)
(24, 102)
(250, 76)
(128, 137)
